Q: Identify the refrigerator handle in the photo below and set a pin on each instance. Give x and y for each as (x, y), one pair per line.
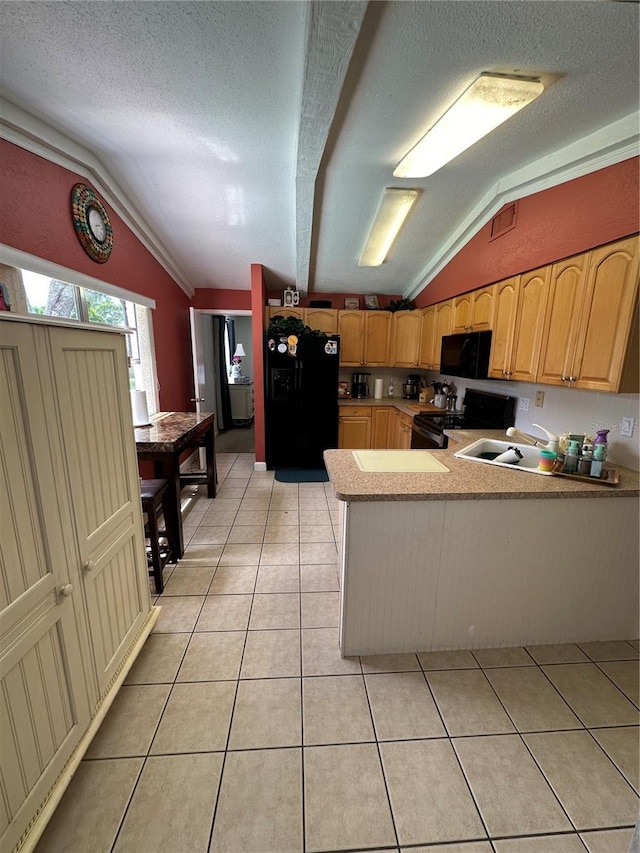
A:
(298, 378)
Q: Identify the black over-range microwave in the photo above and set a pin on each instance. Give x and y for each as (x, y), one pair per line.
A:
(466, 355)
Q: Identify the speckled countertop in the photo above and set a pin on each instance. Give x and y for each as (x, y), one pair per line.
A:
(465, 480)
(169, 431)
(409, 407)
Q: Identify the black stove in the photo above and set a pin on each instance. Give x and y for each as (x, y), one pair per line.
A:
(482, 410)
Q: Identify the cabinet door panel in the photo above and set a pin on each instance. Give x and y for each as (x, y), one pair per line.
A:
(406, 338)
(43, 697)
(427, 336)
(566, 292)
(377, 339)
(529, 325)
(612, 293)
(482, 316)
(354, 433)
(380, 432)
(99, 449)
(322, 319)
(462, 313)
(444, 320)
(351, 331)
(504, 321)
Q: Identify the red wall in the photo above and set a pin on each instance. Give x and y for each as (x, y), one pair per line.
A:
(222, 300)
(35, 217)
(556, 223)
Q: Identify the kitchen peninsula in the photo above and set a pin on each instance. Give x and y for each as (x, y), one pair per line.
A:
(482, 556)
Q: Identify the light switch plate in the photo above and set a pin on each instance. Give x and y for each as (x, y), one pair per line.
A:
(626, 426)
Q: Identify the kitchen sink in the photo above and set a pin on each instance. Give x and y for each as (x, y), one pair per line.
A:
(486, 449)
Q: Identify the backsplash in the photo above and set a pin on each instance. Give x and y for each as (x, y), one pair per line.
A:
(564, 409)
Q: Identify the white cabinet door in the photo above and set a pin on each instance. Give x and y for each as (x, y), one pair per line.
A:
(44, 707)
(99, 454)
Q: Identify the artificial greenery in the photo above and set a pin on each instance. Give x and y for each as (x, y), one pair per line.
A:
(280, 325)
(401, 305)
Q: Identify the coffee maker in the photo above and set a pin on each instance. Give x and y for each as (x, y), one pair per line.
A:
(411, 387)
(360, 385)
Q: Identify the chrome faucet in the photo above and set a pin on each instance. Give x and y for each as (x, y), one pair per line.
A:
(553, 442)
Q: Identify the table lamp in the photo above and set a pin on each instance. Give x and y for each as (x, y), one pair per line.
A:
(236, 362)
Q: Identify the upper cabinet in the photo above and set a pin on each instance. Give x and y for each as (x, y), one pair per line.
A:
(607, 346)
(322, 319)
(591, 320)
(518, 324)
(405, 340)
(365, 338)
(427, 356)
(473, 311)
(443, 326)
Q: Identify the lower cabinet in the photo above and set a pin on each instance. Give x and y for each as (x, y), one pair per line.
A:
(403, 434)
(75, 605)
(381, 422)
(373, 428)
(354, 428)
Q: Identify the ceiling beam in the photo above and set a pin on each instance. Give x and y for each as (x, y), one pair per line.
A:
(332, 32)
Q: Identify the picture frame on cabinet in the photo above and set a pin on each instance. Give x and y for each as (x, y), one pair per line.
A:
(371, 302)
(351, 303)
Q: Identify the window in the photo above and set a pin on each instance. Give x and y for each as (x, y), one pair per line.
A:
(51, 297)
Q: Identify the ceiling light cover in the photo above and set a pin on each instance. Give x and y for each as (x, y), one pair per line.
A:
(489, 100)
(393, 210)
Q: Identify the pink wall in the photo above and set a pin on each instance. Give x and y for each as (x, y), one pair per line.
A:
(35, 217)
(556, 223)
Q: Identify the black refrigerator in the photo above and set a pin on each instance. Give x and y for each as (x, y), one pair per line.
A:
(301, 399)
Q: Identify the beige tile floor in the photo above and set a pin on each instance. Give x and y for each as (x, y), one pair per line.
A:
(240, 727)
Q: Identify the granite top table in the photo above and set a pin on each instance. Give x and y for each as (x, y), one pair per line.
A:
(164, 440)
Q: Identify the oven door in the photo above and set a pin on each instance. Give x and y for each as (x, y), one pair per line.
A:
(425, 435)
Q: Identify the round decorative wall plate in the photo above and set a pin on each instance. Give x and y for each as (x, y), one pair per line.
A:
(91, 222)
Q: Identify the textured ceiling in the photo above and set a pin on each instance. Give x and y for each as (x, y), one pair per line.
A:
(265, 132)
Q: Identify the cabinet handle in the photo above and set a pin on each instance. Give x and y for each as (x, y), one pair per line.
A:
(66, 590)
(564, 378)
(88, 566)
(197, 399)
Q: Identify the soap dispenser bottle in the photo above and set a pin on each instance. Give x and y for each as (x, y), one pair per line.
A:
(571, 458)
(599, 453)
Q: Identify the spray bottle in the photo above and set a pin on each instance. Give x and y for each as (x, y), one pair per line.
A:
(599, 453)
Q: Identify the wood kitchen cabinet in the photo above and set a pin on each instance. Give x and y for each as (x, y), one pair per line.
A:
(322, 319)
(518, 325)
(404, 428)
(381, 423)
(354, 428)
(270, 312)
(365, 338)
(473, 311)
(443, 326)
(75, 603)
(590, 336)
(427, 354)
(405, 340)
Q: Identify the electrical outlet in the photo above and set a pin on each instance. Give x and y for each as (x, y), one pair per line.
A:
(540, 399)
(626, 426)
(524, 404)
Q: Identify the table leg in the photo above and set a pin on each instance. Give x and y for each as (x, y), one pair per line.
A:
(212, 473)
(169, 467)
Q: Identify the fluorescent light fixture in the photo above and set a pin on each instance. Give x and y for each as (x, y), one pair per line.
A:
(489, 100)
(393, 210)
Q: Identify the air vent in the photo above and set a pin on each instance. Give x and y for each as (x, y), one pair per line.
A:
(504, 220)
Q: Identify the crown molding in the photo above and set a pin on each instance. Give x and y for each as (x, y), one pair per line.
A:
(28, 132)
(605, 147)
